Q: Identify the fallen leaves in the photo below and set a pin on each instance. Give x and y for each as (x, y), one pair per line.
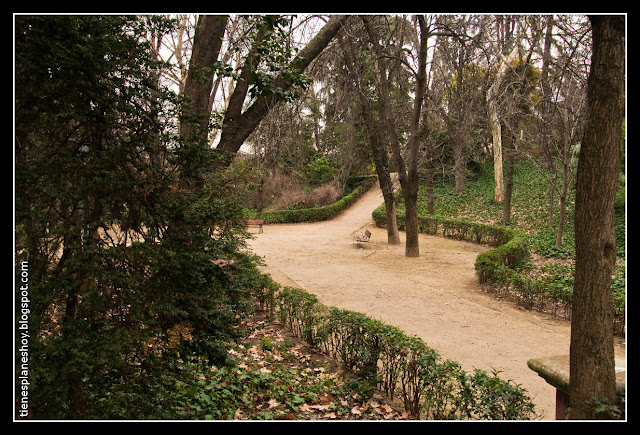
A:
(296, 382)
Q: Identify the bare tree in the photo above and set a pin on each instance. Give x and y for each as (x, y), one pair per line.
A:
(496, 126)
(238, 123)
(408, 172)
(457, 51)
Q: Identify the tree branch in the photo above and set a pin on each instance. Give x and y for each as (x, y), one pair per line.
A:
(237, 129)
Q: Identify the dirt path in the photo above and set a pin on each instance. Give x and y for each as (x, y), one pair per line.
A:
(435, 297)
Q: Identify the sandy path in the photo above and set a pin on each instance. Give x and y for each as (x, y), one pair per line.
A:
(435, 297)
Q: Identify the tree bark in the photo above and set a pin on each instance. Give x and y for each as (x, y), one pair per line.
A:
(494, 120)
(378, 150)
(429, 156)
(207, 42)
(455, 134)
(508, 192)
(386, 184)
(380, 159)
(411, 194)
(592, 361)
(563, 194)
(546, 131)
(408, 173)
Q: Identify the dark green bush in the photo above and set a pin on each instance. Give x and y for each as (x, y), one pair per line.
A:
(490, 265)
(299, 312)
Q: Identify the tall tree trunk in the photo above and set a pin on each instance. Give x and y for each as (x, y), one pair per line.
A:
(455, 133)
(379, 154)
(496, 132)
(563, 194)
(378, 150)
(386, 186)
(508, 191)
(429, 167)
(408, 174)
(494, 121)
(411, 196)
(459, 164)
(429, 186)
(546, 115)
(207, 42)
(592, 361)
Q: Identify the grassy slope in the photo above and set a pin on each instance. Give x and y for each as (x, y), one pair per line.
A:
(529, 210)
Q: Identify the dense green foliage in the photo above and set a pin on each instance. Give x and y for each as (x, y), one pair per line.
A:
(119, 240)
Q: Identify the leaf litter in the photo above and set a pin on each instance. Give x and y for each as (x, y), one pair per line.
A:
(319, 387)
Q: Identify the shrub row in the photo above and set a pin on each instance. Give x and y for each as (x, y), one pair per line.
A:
(399, 365)
(316, 214)
(456, 229)
(499, 268)
(496, 265)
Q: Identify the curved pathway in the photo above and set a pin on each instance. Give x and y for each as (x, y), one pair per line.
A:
(435, 297)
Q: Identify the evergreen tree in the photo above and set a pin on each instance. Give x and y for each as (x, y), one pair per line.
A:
(121, 255)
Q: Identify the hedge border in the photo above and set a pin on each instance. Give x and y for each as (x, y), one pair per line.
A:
(400, 365)
(499, 267)
(317, 214)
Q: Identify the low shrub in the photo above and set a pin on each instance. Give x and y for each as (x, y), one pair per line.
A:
(401, 365)
(298, 311)
(452, 228)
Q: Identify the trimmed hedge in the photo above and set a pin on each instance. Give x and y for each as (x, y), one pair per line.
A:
(401, 366)
(499, 268)
(456, 229)
(317, 214)
(503, 261)
(510, 254)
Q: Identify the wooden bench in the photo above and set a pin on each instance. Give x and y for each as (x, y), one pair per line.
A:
(255, 223)
(359, 237)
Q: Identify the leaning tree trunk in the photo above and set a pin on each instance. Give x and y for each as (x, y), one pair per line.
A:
(380, 159)
(378, 151)
(238, 125)
(592, 361)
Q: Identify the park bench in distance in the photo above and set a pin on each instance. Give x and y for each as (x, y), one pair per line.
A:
(255, 223)
(359, 237)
